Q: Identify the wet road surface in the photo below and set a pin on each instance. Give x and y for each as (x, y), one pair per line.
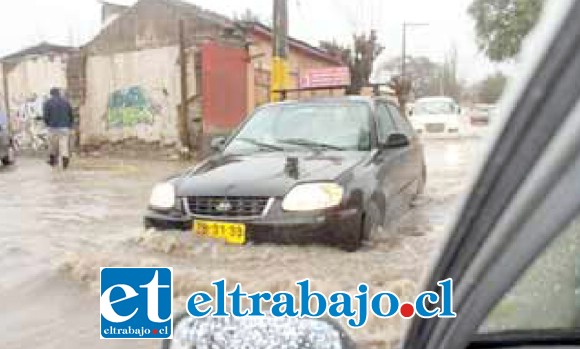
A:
(58, 228)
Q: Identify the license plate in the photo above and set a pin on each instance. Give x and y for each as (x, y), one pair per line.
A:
(435, 128)
(232, 233)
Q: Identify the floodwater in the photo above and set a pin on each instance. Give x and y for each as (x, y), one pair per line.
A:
(58, 228)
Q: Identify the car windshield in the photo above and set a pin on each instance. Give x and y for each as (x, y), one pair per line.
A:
(434, 107)
(304, 127)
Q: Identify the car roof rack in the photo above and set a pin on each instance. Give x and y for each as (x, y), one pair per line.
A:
(374, 88)
(284, 92)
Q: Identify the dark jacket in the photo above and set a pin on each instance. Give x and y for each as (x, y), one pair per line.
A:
(58, 113)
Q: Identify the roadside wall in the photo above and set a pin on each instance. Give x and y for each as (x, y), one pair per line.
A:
(135, 59)
(34, 76)
(133, 95)
(30, 81)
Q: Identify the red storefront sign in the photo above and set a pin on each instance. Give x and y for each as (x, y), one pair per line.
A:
(325, 77)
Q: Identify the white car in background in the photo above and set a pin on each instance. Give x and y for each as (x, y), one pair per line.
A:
(437, 116)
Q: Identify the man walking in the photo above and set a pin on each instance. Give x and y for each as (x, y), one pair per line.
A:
(58, 117)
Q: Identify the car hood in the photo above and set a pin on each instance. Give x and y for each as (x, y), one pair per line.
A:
(263, 174)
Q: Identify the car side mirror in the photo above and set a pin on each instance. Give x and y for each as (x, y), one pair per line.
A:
(397, 140)
(217, 143)
(262, 332)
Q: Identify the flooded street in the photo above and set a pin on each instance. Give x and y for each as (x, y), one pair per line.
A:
(58, 228)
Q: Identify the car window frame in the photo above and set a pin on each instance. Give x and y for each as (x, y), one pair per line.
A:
(404, 126)
(531, 174)
(378, 103)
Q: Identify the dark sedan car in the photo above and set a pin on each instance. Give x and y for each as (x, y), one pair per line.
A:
(327, 170)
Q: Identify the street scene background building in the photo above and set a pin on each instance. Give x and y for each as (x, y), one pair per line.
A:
(162, 72)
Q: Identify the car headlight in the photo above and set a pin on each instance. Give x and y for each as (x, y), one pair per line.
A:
(313, 196)
(162, 196)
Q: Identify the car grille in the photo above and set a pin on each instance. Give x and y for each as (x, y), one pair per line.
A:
(435, 128)
(220, 206)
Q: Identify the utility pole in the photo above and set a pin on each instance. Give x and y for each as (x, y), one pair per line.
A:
(183, 124)
(280, 79)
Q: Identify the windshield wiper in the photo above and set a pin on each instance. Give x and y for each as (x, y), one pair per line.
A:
(261, 144)
(309, 143)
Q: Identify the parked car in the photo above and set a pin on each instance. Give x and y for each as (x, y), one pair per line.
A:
(481, 114)
(7, 149)
(326, 170)
(512, 251)
(437, 116)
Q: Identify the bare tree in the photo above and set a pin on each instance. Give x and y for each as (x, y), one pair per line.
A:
(359, 58)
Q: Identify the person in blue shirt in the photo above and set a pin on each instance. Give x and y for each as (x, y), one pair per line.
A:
(58, 116)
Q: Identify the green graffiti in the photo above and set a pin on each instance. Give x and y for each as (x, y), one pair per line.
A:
(129, 107)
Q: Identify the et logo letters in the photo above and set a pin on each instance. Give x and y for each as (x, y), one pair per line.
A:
(136, 303)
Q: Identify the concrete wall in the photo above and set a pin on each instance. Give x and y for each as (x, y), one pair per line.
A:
(137, 53)
(35, 76)
(133, 95)
(29, 83)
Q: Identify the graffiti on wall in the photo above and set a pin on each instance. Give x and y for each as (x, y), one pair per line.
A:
(26, 121)
(130, 107)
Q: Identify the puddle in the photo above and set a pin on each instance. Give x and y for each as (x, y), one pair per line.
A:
(75, 222)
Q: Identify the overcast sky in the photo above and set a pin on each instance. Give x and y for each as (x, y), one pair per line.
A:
(26, 22)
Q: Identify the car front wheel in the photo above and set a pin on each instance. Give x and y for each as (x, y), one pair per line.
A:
(352, 245)
(369, 225)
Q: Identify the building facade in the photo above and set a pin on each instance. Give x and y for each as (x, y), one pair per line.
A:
(302, 56)
(139, 70)
(162, 72)
(26, 79)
